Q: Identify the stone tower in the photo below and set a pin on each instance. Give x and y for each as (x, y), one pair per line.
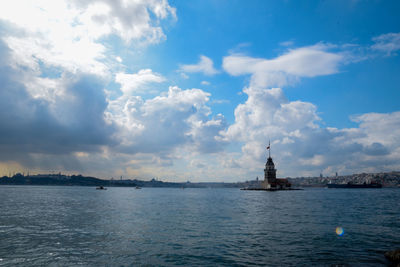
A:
(270, 172)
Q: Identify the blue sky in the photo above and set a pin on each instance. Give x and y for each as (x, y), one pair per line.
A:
(194, 90)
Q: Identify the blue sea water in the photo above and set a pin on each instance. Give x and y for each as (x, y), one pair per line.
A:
(72, 226)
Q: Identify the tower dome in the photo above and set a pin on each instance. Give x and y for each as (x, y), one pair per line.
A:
(269, 164)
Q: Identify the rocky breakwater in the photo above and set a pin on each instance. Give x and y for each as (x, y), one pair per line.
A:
(394, 257)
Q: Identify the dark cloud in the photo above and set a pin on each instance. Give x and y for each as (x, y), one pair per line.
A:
(34, 125)
(376, 149)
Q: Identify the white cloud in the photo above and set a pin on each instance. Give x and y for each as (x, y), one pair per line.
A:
(131, 20)
(220, 101)
(184, 76)
(132, 83)
(65, 33)
(205, 65)
(178, 118)
(384, 45)
(287, 43)
(379, 127)
(387, 43)
(267, 114)
(307, 61)
(71, 55)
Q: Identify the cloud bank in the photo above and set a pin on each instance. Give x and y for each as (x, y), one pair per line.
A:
(68, 103)
(294, 126)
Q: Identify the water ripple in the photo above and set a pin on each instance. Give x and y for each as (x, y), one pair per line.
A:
(72, 226)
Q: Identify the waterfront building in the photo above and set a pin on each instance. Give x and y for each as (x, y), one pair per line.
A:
(270, 180)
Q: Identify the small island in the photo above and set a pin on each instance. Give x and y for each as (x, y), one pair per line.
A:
(271, 183)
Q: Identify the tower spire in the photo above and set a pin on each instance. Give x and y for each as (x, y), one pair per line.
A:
(269, 148)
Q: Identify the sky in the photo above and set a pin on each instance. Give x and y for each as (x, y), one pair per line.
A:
(195, 90)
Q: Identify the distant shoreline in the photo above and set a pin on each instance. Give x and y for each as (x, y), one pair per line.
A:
(389, 179)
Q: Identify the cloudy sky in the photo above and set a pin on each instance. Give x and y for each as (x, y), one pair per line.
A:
(193, 90)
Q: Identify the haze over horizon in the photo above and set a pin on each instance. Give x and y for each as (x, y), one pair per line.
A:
(193, 90)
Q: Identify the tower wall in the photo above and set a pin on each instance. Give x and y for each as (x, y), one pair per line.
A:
(269, 173)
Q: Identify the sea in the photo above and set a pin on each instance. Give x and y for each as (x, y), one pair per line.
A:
(82, 226)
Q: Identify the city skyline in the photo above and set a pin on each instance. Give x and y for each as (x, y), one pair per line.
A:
(194, 90)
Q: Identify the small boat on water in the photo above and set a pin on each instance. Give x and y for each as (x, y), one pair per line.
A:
(138, 187)
(101, 188)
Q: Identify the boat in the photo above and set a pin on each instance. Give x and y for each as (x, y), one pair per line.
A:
(351, 185)
(138, 187)
(101, 188)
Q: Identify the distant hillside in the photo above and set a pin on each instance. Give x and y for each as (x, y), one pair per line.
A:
(58, 179)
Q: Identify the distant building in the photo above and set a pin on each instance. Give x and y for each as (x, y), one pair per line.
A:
(270, 180)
